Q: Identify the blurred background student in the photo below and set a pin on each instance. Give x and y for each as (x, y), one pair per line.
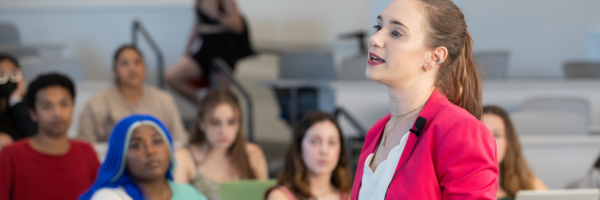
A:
(139, 164)
(15, 122)
(316, 164)
(217, 151)
(48, 165)
(219, 32)
(128, 96)
(515, 174)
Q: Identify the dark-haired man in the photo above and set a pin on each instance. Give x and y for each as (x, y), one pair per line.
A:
(48, 165)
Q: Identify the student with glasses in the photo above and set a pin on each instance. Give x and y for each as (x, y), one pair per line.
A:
(15, 122)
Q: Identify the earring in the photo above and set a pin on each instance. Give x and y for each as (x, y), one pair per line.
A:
(439, 62)
(431, 66)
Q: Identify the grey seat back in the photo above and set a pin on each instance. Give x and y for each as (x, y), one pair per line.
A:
(562, 104)
(307, 65)
(493, 63)
(9, 34)
(544, 122)
(581, 70)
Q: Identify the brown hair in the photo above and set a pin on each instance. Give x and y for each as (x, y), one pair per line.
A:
(457, 78)
(515, 175)
(118, 53)
(123, 48)
(237, 151)
(294, 174)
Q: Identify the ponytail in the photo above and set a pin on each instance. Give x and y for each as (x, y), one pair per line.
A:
(467, 88)
(457, 77)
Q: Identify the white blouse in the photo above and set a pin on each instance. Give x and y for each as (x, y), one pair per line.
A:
(375, 184)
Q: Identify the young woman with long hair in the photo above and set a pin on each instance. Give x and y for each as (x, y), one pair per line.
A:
(217, 151)
(515, 174)
(316, 163)
(433, 144)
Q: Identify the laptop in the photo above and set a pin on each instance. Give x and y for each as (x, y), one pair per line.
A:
(578, 194)
(246, 189)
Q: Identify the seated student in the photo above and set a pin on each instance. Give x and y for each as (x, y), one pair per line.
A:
(128, 96)
(217, 151)
(316, 164)
(15, 122)
(48, 165)
(139, 164)
(515, 175)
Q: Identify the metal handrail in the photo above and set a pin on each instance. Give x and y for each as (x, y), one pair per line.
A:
(362, 133)
(220, 65)
(350, 141)
(138, 27)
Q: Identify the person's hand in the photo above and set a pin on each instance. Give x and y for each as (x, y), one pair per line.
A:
(5, 139)
(21, 89)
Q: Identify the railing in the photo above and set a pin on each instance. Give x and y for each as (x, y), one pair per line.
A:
(221, 66)
(362, 133)
(351, 141)
(138, 27)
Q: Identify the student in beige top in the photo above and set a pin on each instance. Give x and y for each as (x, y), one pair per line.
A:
(128, 96)
(217, 151)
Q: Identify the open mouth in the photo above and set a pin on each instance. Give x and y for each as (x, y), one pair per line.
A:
(375, 60)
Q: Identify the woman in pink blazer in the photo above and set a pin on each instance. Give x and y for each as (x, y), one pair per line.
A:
(433, 144)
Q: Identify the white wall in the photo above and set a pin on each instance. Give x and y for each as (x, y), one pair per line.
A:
(91, 30)
(305, 20)
(540, 34)
(88, 3)
(91, 35)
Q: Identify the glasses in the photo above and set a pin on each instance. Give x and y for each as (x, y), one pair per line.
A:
(14, 77)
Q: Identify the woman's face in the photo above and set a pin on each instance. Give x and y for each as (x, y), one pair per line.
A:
(496, 125)
(148, 154)
(221, 126)
(321, 148)
(130, 69)
(10, 75)
(8, 67)
(398, 44)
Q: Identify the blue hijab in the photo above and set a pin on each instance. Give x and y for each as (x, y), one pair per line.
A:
(113, 172)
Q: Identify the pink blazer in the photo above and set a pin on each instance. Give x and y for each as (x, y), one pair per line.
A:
(454, 159)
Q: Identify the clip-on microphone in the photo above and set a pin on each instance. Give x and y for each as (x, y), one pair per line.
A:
(419, 125)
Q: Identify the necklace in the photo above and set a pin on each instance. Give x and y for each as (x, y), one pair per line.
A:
(398, 117)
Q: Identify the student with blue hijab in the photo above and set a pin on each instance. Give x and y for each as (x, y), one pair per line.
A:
(139, 164)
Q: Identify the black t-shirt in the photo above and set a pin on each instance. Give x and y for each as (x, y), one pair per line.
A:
(16, 122)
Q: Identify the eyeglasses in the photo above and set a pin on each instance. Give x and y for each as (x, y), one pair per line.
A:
(14, 77)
